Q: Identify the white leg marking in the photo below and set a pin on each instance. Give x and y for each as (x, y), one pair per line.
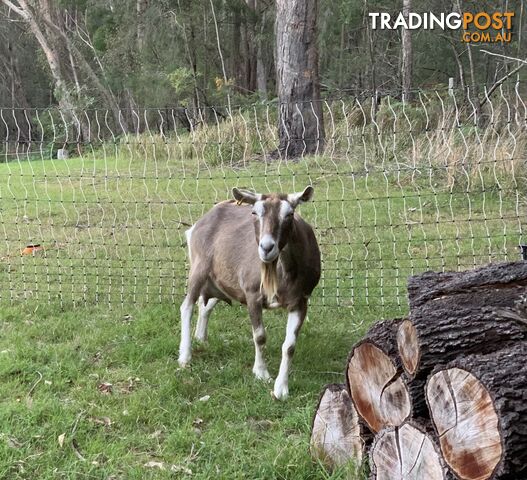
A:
(281, 386)
(203, 319)
(260, 368)
(185, 345)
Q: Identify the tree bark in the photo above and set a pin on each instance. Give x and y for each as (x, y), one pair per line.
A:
(379, 394)
(478, 405)
(261, 69)
(337, 435)
(407, 452)
(454, 313)
(407, 55)
(301, 125)
(494, 285)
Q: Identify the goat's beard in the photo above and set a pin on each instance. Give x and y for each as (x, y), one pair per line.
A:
(269, 280)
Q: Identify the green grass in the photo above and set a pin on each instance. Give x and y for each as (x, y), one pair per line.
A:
(154, 408)
(112, 224)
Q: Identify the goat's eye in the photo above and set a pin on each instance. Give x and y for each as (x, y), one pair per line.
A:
(253, 213)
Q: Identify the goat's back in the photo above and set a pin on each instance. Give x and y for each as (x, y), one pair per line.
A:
(222, 242)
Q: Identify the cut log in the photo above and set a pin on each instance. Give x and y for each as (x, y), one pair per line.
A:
(374, 380)
(473, 287)
(408, 346)
(478, 406)
(452, 313)
(480, 311)
(407, 452)
(337, 436)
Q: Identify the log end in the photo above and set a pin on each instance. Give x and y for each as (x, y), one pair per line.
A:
(466, 421)
(408, 347)
(336, 434)
(379, 393)
(406, 452)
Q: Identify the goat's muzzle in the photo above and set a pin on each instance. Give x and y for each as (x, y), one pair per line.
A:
(268, 249)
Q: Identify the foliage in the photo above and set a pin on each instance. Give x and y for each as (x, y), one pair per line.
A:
(132, 52)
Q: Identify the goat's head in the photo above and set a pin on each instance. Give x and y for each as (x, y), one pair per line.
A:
(273, 218)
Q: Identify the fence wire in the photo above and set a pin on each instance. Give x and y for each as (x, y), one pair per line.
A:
(400, 188)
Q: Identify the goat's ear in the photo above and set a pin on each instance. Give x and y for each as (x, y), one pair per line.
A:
(246, 196)
(301, 197)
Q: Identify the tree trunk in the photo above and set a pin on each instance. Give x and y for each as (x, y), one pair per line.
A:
(380, 395)
(140, 7)
(478, 405)
(237, 73)
(460, 69)
(105, 92)
(261, 69)
(62, 93)
(407, 452)
(301, 125)
(250, 47)
(473, 90)
(337, 436)
(407, 55)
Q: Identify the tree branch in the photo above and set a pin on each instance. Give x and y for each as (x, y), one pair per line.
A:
(504, 56)
(17, 10)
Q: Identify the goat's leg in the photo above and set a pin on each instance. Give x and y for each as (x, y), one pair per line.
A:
(185, 344)
(205, 310)
(294, 323)
(259, 337)
(186, 317)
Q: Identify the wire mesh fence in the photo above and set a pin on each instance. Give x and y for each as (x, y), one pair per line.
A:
(94, 204)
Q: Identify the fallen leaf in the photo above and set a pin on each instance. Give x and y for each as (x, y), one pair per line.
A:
(129, 386)
(205, 398)
(61, 438)
(180, 469)
(12, 442)
(47, 382)
(106, 421)
(105, 388)
(153, 464)
(197, 422)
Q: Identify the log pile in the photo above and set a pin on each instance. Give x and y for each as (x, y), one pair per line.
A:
(441, 394)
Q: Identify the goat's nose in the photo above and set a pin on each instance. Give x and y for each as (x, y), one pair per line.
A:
(267, 244)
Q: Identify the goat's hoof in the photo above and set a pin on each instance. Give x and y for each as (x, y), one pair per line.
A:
(183, 362)
(280, 392)
(262, 375)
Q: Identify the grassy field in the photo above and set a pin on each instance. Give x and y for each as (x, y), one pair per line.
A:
(54, 365)
(89, 384)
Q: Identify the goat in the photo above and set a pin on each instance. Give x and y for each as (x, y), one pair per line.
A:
(268, 260)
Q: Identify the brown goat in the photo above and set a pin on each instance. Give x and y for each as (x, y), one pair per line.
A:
(265, 260)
